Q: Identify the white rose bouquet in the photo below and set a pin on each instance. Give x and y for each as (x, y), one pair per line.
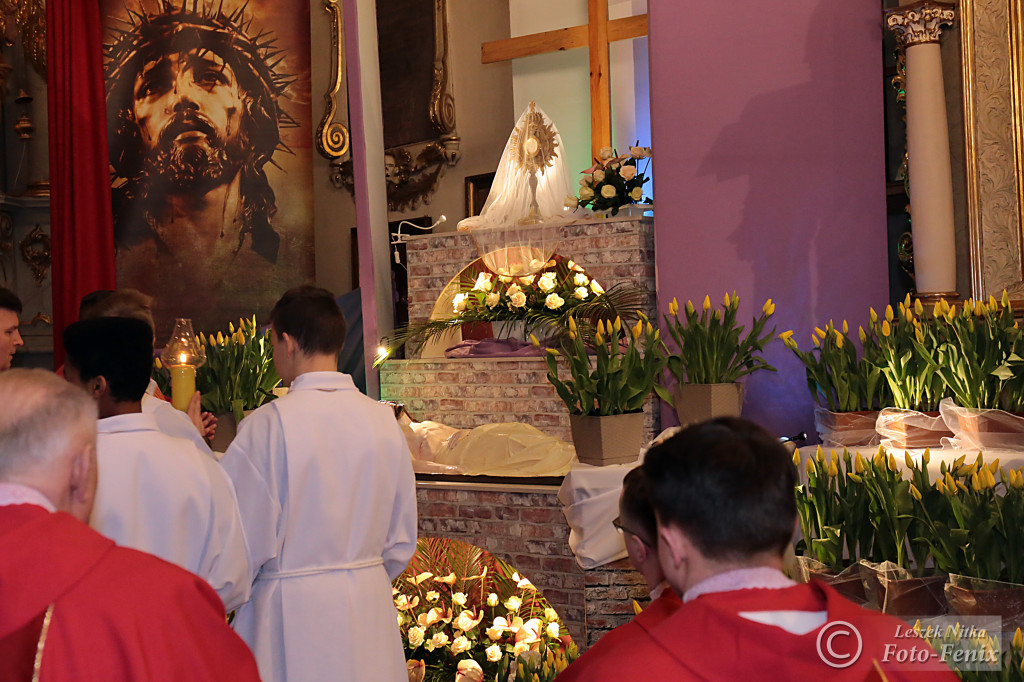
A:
(466, 615)
(614, 181)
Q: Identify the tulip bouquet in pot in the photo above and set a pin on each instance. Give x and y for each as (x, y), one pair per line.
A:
(713, 353)
(614, 181)
(465, 614)
(611, 373)
(847, 385)
(239, 373)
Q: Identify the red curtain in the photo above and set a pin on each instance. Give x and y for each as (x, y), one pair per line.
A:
(81, 226)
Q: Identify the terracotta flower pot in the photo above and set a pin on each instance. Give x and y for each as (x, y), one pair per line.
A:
(974, 597)
(846, 429)
(612, 439)
(911, 429)
(700, 402)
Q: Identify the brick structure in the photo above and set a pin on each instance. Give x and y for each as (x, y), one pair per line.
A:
(611, 251)
(524, 525)
(467, 392)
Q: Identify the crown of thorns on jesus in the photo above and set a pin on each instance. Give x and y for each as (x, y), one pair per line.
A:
(173, 29)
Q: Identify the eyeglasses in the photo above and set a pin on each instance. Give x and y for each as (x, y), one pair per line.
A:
(617, 522)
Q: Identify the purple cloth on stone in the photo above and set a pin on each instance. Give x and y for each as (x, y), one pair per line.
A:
(493, 348)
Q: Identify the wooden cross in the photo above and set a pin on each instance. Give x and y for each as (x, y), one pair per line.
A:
(596, 35)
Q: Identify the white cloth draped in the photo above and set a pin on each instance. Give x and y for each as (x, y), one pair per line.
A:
(161, 495)
(328, 498)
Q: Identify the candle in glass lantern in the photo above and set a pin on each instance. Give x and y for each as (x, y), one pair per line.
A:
(182, 355)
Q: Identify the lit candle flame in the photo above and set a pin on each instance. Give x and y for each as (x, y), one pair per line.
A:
(183, 358)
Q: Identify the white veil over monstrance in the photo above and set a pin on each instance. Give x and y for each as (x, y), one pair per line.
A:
(529, 191)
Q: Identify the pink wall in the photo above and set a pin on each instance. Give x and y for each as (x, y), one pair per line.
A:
(768, 136)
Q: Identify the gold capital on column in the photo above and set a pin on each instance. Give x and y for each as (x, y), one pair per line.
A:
(920, 22)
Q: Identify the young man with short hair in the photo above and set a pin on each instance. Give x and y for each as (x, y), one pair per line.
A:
(10, 337)
(723, 493)
(75, 605)
(156, 493)
(328, 497)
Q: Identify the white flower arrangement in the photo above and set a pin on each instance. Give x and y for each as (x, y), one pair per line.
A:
(614, 180)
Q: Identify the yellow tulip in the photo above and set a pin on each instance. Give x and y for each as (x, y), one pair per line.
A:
(950, 482)
(915, 493)
(599, 339)
(994, 465)
(862, 334)
(888, 313)
(839, 341)
(833, 470)
(707, 302)
(959, 461)
(768, 308)
(918, 307)
(809, 466)
(978, 310)
(886, 329)
(1018, 640)
(220, 339)
(231, 327)
(1005, 299)
(689, 307)
(927, 456)
(814, 340)
(846, 327)
(725, 301)
(893, 467)
(820, 332)
(992, 302)
(879, 459)
(157, 363)
(572, 324)
(961, 487)
(975, 484)
(819, 455)
(786, 334)
(910, 315)
(534, 341)
(918, 335)
(909, 460)
(552, 351)
(855, 478)
(638, 329)
(617, 326)
(673, 307)
(796, 457)
(906, 301)
(600, 327)
(936, 310)
(650, 329)
(858, 464)
(940, 486)
(873, 315)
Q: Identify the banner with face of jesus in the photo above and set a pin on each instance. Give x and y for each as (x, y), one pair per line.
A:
(210, 133)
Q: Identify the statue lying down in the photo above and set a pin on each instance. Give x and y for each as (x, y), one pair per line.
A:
(507, 449)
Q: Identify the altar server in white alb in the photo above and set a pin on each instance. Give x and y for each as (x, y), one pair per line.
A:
(156, 493)
(328, 499)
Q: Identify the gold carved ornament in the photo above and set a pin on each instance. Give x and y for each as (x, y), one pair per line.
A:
(35, 252)
(921, 22)
(332, 137)
(29, 19)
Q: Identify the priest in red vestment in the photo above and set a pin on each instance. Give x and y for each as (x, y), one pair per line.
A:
(723, 495)
(73, 605)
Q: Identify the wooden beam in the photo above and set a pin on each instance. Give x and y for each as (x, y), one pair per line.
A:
(600, 89)
(559, 40)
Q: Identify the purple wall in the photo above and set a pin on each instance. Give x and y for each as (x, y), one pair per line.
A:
(768, 136)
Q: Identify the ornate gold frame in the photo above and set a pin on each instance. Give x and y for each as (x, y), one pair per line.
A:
(992, 46)
(413, 170)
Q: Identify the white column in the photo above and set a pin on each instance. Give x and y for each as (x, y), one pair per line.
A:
(918, 26)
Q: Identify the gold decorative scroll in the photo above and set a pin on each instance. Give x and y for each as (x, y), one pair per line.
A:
(332, 137)
(35, 253)
(921, 22)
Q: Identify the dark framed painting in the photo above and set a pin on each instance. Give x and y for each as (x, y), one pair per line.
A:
(477, 189)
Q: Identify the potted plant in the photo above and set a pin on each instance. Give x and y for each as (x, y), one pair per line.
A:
(606, 390)
(238, 376)
(848, 387)
(615, 181)
(713, 355)
(905, 345)
(459, 608)
(979, 358)
(539, 304)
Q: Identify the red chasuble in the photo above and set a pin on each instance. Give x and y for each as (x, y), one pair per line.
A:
(620, 641)
(708, 639)
(117, 614)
